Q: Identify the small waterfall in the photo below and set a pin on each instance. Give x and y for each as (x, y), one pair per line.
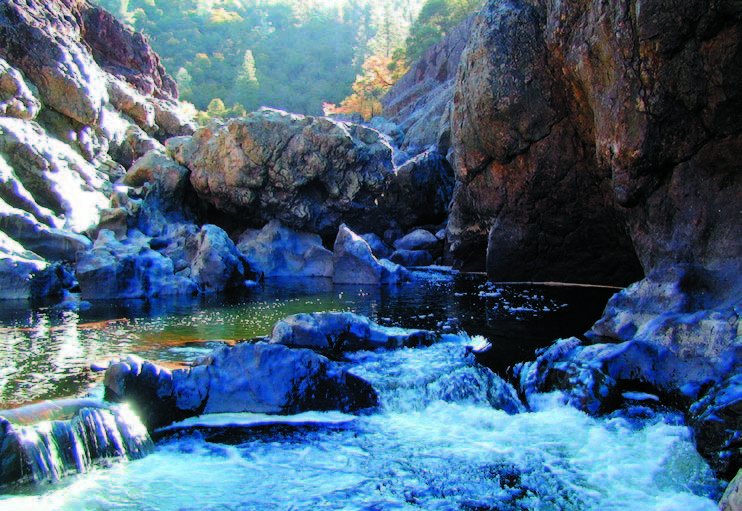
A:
(90, 435)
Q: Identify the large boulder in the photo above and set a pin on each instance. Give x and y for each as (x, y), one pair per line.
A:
(334, 333)
(420, 191)
(277, 251)
(354, 263)
(261, 377)
(311, 173)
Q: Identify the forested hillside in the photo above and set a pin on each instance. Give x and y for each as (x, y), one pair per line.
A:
(232, 56)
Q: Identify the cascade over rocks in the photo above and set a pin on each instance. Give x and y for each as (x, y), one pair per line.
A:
(261, 378)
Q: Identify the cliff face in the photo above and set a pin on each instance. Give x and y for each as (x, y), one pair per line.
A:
(589, 132)
(81, 96)
(419, 102)
(598, 141)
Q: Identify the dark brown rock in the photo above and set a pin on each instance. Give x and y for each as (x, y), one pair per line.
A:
(573, 120)
(125, 53)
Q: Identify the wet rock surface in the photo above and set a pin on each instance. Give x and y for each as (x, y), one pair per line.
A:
(263, 378)
(335, 333)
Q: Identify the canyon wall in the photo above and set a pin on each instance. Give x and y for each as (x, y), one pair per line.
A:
(585, 133)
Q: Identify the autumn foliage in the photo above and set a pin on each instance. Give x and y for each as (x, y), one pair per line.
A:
(379, 74)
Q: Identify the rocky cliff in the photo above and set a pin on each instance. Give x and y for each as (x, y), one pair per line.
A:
(80, 97)
(585, 133)
(598, 142)
(419, 102)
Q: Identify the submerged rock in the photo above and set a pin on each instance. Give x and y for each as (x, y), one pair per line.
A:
(261, 377)
(334, 333)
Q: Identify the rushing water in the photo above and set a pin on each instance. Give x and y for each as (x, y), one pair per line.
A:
(436, 443)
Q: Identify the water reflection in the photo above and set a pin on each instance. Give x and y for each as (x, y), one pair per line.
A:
(45, 352)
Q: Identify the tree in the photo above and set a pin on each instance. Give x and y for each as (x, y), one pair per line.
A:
(246, 85)
(368, 89)
(435, 21)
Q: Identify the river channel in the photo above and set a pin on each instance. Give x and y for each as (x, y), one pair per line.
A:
(436, 442)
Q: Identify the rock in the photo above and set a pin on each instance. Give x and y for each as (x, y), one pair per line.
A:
(409, 258)
(732, 498)
(52, 282)
(18, 267)
(216, 264)
(48, 242)
(689, 316)
(124, 53)
(420, 191)
(53, 178)
(277, 251)
(132, 145)
(531, 193)
(354, 262)
(532, 125)
(419, 239)
(147, 387)
(419, 101)
(130, 102)
(115, 269)
(68, 77)
(716, 420)
(377, 245)
(388, 128)
(169, 183)
(260, 378)
(17, 97)
(335, 333)
(310, 173)
(172, 120)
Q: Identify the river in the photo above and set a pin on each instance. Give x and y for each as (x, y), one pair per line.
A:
(436, 443)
